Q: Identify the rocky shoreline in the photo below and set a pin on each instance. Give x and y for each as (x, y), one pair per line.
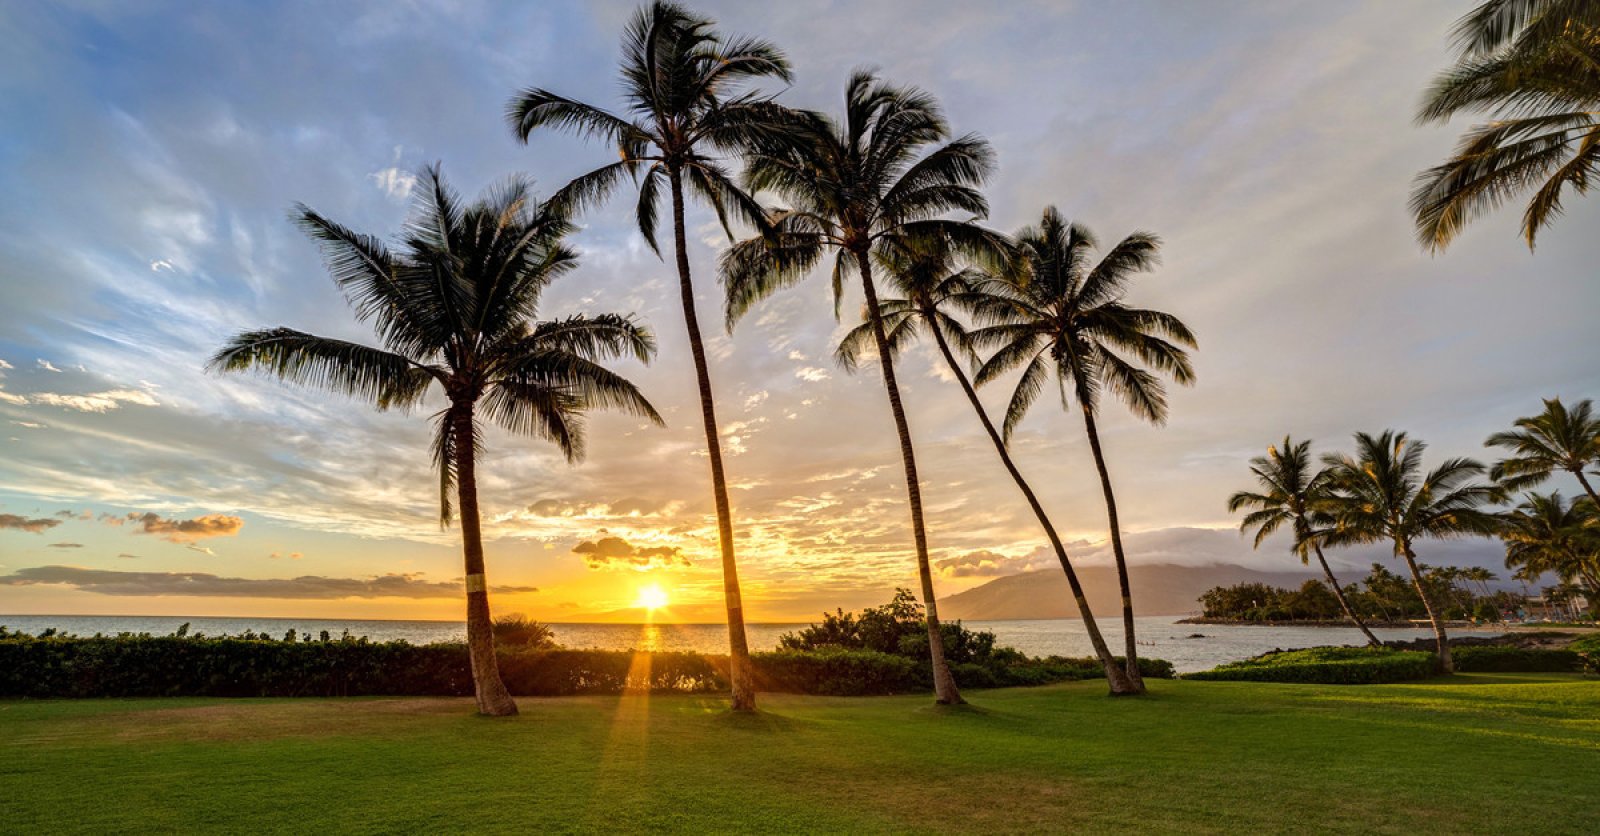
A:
(1386, 625)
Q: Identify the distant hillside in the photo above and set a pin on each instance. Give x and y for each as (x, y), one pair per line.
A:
(1158, 589)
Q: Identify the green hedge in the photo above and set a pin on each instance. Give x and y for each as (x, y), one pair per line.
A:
(1496, 658)
(1588, 650)
(255, 666)
(1327, 665)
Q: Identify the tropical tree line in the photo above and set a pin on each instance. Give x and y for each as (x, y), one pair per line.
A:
(881, 193)
(1382, 598)
(1381, 494)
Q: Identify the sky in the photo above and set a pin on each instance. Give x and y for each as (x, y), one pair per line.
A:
(150, 154)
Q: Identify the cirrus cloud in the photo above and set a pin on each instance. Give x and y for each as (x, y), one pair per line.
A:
(113, 582)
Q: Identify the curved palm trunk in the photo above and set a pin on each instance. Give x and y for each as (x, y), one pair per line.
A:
(1115, 677)
(1445, 663)
(1587, 488)
(944, 683)
(741, 683)
(1344, 604)
(493, 698)
(1130, 641)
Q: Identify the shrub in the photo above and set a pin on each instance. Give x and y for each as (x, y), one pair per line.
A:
(838, 673)
(1498, 658)
(517, 630)
(1588, 649)
(1327, 665)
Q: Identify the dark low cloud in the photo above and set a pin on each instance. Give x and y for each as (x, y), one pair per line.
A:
(617, 553)
(201, 584)
(66, 545)
(36, 525)
(186, 531)
(984, 564)
(628, 506)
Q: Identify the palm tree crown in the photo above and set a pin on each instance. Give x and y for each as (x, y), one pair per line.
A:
(1058, 312)
(1557, 439)
(680, 83)
(1534, 67)
(1291, 494)
(1545, 533)
(850, 185)
(455, 306)
(1382, 494)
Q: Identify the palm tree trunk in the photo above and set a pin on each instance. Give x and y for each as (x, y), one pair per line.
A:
(1339, 593)
(740, 680)
(1130, 641)
(1445, 664)
(493, 698)
(1115, 677)
(1588, 488)
(944, 683)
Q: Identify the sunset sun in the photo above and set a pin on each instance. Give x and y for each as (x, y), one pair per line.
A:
(651, 597)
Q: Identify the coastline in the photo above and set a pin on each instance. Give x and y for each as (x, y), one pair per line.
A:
(1348, 625)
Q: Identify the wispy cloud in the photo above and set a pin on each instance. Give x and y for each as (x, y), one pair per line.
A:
(201, 584)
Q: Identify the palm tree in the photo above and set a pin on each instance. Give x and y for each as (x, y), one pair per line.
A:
(1382, 494)
(850, 185)
(1533, 66)
(926, 273)
(1545, 533)
(679, 80)
(455, 305)
(1058, 312)
(1481, 577)
(1554, 440)
(1293, 495)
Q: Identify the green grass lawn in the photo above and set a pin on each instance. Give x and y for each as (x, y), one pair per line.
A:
(1489, 753)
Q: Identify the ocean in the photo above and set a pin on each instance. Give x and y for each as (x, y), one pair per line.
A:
(1189, 647)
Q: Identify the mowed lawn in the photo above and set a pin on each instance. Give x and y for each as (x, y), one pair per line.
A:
(1486, 753)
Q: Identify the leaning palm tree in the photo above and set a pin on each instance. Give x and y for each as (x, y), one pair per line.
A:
(1056, 312)
(455, 306)
(1291, 494)
(679, 81)
(1556, 439)
(927, 274)
(1533, 66)
(1545, 533)
(848, 186)
(1382, 494)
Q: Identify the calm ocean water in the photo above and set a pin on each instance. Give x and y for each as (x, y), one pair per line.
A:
(1190, 647)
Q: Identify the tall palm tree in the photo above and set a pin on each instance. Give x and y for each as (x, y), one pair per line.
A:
(455, 305)
(1545, 533)
(1058, 312)
(1291, 494)
(1533, 66)
(927, 274)
(1382, 494)
(680, 81)
(1554, 440)
(848, 186)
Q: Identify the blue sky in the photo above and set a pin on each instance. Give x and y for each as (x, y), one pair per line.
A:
(151, 153)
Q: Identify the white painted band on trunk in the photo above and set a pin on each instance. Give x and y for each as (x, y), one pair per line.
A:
(477, 583)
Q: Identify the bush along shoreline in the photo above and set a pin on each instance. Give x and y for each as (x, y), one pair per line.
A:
(1410, 661)
(880, 651)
